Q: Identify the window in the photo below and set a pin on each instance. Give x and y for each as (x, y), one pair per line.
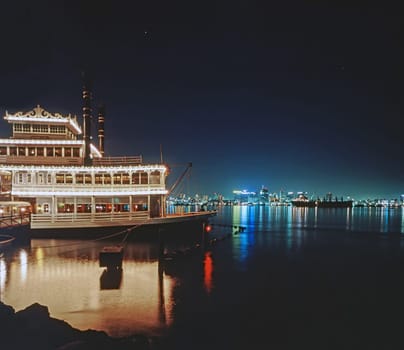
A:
(143, 178)
(44, 128)
(117, 179)
(46, 208)
(18, 127)
(60, 178)
(69, 178)
(41, 178)
(155, 177)
(36, 128)
(87, 179)
(83, 205)
(49, 151)
(139, 203)
(121, 204)
(31, 151)
(58, 151)
(68, 152)
(135, 178)
(21, 151)
(65, 205)
(26, 127)
(13, 151)
(98, 179)
(125, 179)
(103, 204)
(107, 179)
(3, 151)
(57, 129)
(39, 151)
(76, 152)
(79, 179)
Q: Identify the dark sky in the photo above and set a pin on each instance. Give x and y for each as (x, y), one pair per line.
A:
(298, 96)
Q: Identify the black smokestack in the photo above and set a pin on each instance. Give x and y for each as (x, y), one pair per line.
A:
(87, 118)
(101, 117)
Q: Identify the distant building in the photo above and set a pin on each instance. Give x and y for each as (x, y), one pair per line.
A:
(264, 195)
(244, 197)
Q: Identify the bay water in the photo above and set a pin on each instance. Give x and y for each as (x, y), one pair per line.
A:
(263, 277)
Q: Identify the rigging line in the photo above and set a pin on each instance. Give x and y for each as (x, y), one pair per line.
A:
(127, 231)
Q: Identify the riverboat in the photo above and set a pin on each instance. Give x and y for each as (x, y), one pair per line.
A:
(51, 162)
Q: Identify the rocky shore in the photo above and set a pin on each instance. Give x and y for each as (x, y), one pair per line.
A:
(34, 328)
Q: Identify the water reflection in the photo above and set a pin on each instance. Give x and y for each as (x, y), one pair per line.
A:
(74, 287)
(292, 226)
(208, 270)
(3, 275)
(146, 294)
(23, 264)
(111, 278)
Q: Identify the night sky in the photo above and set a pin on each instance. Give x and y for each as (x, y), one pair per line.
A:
(298, 96)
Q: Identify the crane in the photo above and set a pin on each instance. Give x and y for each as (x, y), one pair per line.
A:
(177, 182)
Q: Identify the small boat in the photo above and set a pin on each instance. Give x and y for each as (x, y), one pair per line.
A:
(6, 240)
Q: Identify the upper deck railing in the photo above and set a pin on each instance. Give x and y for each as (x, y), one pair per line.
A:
(132, 160)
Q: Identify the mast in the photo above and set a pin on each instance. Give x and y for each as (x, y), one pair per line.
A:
(101, 117)
(87, 118)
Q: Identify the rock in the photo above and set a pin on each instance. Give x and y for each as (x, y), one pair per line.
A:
(34, 328)
(6, 312)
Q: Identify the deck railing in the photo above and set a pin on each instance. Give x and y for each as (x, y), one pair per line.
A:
(14, 220)
(132, 160)
(87, 219)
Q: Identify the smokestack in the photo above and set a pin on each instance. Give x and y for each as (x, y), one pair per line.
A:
(87, 118)
(101, 115)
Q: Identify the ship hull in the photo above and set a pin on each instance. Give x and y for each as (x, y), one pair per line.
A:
(322, 204)
(170, 227)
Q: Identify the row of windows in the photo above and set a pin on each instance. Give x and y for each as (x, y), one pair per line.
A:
(38, 128)
(101, 205)
(136, 178)
(40, 151)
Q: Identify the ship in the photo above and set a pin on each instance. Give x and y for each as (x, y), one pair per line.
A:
(71, 188)
(322, 203)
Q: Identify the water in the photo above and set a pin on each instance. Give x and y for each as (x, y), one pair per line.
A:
(294, 278)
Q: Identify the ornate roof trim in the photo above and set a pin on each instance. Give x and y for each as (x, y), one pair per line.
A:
(40, 114)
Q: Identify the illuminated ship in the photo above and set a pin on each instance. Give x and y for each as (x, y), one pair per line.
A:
(322, 203)
(51, 163)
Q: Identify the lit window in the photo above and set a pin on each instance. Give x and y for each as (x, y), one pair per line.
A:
(36, 128)
(49, 151)
(21, 151)
(68, 152)
(58, 151)
(155, 177)
(117, 179)
(143, 178)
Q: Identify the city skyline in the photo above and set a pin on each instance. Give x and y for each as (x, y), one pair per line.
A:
(302, 100)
